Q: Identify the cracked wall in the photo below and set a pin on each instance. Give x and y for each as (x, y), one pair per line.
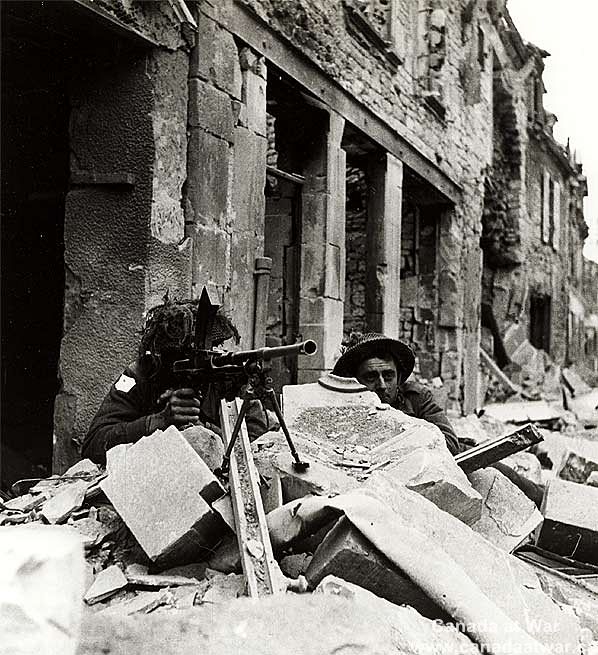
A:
(125, 240)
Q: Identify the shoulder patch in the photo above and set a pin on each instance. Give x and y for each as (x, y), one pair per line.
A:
(124, 383)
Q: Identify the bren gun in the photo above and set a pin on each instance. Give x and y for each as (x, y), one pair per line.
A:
(241, 373)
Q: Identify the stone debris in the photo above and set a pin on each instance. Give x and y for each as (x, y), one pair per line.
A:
(346, 553)
(508, 515)
(70, 497)
(570, 525)
(416, 568)
(207, 444)
(418, 634)
(320, 623)
(162, 489)
(223, 588)
(536, 411)
(106, 584)
(346, 442)
(41, 586)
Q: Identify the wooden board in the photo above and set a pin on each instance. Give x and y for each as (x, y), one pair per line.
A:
(255, 547)
(493, 451)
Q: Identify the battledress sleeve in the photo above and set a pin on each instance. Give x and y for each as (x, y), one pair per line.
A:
(124, 416)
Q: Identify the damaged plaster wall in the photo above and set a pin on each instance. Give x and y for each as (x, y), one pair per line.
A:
(123, 218)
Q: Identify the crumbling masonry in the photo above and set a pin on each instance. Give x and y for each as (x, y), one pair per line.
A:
(384, 155)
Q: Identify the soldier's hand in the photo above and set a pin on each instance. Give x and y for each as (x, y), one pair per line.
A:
(182, 407)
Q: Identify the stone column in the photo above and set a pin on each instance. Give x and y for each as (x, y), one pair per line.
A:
(322, 277)
(385, 179)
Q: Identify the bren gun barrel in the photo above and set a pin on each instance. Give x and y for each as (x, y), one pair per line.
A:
(308, 347)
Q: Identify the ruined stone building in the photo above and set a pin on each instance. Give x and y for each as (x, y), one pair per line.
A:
(368, 147)
(533, 225)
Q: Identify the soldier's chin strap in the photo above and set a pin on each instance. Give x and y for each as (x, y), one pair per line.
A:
(259, 387)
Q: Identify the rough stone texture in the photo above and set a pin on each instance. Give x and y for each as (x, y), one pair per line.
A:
(421, 635)
(357, 435)
(508, 515)
(207, 444)
(581, 595)
(42, 584)
(269, 627)
(106, 238)
(157, 486)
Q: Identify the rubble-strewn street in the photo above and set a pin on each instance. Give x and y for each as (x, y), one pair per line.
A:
(384, 522)
(299, 340)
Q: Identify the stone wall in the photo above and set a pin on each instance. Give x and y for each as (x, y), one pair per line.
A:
(450, 129)
(124, 227)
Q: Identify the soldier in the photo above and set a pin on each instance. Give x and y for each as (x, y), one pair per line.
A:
(384, 365)
(143, 398)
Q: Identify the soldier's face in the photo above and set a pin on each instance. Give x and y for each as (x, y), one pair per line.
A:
(379, 375)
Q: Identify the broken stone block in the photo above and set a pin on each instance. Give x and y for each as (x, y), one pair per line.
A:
(106, 584)
(348, 439)
(525, 464)
(327, 392)
(306, 623)
(295, 565)
(508, 515)
(570, 525)
(162, 490)
(84, 468)
(504, 579)
(207, 444)
(41, 583)
(69, 498)
(137, 575)
(419, 634)
(346, 553)
(25, 503)
(223, 588)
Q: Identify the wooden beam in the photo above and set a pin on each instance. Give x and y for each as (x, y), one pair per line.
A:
(494, 450)
(255, 548)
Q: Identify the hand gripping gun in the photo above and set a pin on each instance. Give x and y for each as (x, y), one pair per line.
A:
(243, 373)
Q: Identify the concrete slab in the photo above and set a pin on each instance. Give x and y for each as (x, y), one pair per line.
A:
(508, 515)
(158, 486)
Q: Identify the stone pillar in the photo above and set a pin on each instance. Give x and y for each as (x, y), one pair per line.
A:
(385, 179)
(247, 193)
(224, 207)
(322, 276)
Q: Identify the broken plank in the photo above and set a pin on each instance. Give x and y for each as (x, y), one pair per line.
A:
(257, 558)
(493, 451)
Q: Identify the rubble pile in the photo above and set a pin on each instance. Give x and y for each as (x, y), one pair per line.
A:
(384, 542)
